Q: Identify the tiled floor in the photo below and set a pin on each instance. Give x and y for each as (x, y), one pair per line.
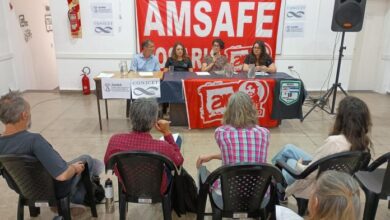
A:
(70, 123)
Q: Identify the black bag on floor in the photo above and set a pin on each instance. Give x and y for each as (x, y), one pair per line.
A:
(98, 190)
(184, 193)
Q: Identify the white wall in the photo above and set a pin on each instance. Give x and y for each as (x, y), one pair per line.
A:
(26, 65)
(312, 54)
(34, 60)
(383, 76)
(6, 70)
(368, 48)
(98, 52)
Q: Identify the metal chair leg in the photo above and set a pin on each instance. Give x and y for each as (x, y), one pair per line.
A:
(20, 208)
(371, 206)
(64, 208)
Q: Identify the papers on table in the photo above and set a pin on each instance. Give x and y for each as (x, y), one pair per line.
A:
(145, 73)
(202, 73)
(175, 136)
(105, 75)
(261, 74)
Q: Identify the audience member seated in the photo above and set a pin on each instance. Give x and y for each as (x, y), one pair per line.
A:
(350, 133)
(145, 61)
(215, 61)
(179, 59)
(143, 116)
(240, 139)
(336, 196)
(260, 58)
(15, 114)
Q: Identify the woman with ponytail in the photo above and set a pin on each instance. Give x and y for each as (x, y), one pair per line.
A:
(350, 133)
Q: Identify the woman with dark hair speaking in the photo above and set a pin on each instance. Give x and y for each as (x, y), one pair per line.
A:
(215, 61)
(350, 133)
(179, 59)
(260, 58)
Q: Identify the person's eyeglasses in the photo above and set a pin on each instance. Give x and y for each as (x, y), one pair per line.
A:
(216, 45)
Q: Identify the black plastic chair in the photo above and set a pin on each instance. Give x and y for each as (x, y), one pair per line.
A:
(141, 174)
(348, 162)
(26, 175)
(376, 185)
(243, 188)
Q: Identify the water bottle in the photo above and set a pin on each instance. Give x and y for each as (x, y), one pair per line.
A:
(109, 194)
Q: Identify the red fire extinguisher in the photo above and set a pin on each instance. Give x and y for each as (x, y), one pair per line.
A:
(85, 80)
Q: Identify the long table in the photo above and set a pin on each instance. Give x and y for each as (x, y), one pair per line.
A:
(279, 95)
(99, 94)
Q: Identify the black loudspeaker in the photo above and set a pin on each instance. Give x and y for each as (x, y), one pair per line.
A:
(348, 15)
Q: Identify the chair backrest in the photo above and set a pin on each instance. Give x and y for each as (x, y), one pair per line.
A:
(141, 173)
(385, 192)
(348, 162)
(30, 178)
(244, 185)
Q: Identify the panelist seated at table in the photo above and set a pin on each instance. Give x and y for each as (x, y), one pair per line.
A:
(259, 56)
(215, 61)
(179, 59)
(145, 61)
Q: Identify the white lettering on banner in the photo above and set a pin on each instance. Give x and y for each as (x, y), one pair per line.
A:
(145, 88)
(204, 18)
(260, 32)
(224, 22)
(224, 14)
(215, 95)
(242, 18)
(185, 15)
(217, 99)
(153, 14)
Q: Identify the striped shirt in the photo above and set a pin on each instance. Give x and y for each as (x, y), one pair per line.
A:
(242, 144)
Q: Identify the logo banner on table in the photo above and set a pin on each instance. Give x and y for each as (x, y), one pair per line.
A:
(113, 88)
(145, 88)
(196, 23)
(206, 100)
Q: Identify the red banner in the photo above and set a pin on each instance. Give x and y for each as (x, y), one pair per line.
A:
(206, 100)
(196, 23)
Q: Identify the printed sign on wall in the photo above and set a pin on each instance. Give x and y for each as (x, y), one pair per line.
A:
(102, 18)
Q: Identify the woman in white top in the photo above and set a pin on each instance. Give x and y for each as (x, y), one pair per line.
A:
(350, 133)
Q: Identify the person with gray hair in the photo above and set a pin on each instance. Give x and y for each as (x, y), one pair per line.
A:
(143, 116)
(15, 114)
(145, 61)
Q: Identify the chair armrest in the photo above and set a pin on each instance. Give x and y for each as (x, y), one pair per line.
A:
(286, 167)
(203, 174)
(378, 162)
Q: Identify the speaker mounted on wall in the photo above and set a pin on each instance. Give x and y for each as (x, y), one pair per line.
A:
(348, 15)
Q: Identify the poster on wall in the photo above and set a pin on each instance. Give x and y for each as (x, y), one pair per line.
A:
(74, 18)
(102, 18)
(196, 23)
(294, 25)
